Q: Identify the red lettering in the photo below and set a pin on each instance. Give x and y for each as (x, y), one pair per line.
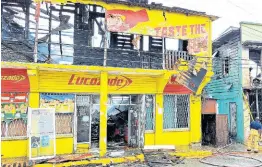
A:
(79, 81)
(70, 82)
(192, 29)
(164, 32)
(158, 31)
(184, 30)
(98, 81)
(112, 82)
(197, 29)
(178, 30)
(171, 31)
(203, 31)
(85, 81)
(119, 82)
(93, 81)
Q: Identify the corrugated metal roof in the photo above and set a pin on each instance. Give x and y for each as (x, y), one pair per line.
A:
(226, 36)
(164, 8)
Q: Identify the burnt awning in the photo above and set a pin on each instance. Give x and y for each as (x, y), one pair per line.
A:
(14, 80)
(174, 87)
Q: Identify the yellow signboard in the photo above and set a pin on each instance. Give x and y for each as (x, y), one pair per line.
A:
(53, 81)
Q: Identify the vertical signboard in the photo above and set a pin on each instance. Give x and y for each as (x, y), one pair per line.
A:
(41, 128)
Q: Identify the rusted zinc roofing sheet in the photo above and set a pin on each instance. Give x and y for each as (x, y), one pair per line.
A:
(158, 6)
(253, 44)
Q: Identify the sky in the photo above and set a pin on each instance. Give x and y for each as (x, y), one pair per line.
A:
(231, 12)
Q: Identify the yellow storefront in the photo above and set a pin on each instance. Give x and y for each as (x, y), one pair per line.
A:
(57, 79)
(68, 80)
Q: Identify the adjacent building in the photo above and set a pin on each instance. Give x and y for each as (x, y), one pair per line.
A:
(236, 84)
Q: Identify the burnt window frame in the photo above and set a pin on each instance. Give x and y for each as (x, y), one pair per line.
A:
(226, 66)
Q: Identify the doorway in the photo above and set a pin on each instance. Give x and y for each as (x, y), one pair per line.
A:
(233, 120)
(208, 129)
(87, 122)
(125, 125)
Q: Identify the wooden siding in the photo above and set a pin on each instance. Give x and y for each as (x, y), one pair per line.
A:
(251, 32)
(218, 88)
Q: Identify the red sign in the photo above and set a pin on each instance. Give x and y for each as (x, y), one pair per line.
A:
(173, 87)
(120, 81)
(14, 80)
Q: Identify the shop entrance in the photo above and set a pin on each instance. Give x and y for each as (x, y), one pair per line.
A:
(125, 125)
(87, 116)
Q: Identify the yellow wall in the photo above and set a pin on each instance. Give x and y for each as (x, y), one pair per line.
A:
(154, 82)
(55, 78)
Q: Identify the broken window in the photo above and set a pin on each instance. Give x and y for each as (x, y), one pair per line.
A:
(171, 44)
(225, 66)
(64, 105)
(176, 111)
(254, 55)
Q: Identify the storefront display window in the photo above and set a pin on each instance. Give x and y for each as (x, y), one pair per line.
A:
(176, 111)
(15, 89)
(64, 105)
(14, 114)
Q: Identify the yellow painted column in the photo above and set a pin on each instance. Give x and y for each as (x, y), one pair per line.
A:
(103, 113)
(195, 119)
(161, 83)
(159, 118)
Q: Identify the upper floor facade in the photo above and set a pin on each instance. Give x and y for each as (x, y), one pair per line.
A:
(104, 33)
(236, 61)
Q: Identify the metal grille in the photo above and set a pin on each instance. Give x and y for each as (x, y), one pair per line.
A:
(149, 109)
(176, 111)
(64, 122)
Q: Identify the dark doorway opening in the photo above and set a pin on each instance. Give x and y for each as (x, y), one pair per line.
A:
(124, 114)
(208, 129)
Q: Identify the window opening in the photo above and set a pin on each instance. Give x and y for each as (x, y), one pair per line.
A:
(226, 66)
(64, 105)
(176, 111)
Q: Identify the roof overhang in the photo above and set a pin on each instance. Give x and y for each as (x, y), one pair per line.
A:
(253, 44)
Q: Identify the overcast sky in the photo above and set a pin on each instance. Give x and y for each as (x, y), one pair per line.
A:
(231, 12)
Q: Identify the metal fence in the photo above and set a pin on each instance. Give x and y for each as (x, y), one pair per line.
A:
(176, 111)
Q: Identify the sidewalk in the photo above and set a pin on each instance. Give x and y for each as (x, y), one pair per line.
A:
(128, 157)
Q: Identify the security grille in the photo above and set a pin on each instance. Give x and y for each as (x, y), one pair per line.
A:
(64, 105)
(149, 109)
(176, 111)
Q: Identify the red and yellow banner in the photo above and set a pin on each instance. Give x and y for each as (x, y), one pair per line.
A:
(14, 80)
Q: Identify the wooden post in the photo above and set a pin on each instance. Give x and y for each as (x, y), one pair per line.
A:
(37, 15)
